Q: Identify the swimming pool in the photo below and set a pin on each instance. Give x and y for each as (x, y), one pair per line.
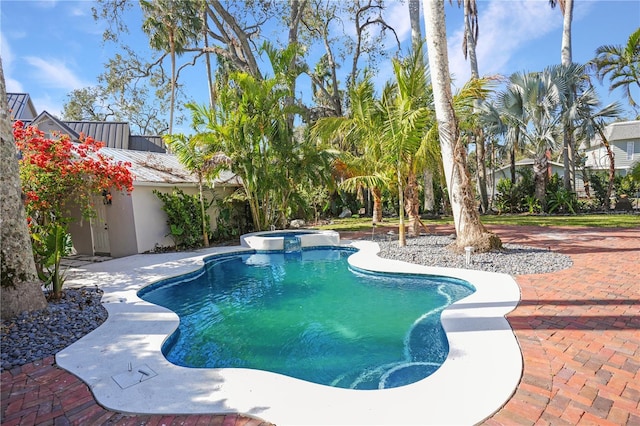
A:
(310, 316)
(481, 371)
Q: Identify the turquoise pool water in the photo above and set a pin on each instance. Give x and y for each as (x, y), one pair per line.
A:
(308, 315)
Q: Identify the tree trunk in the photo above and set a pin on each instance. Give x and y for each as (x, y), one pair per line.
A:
(471, 32)
(412, 204)
(402, 236)
(565, 60)
(429, 198)
(469, 229)
(173, 83)
(541, 177)
(207, 58)
(21, 289)
(612, 166)
(567, 12)
(377, 205)
(414, 19)
(481, 170)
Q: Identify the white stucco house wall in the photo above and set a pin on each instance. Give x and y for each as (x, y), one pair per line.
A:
(135, 223)
(624, 139)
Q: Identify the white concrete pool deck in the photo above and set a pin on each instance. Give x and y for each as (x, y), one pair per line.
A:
(480, 374)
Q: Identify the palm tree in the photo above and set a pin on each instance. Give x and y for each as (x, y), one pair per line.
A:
(566, 7)
(171, 26)
(469, 229)
(251, 126)
(591, 121)
(566, 58)
(621, 64)
(199, 154)
(360, 130)
(404, 123)
(469, 43)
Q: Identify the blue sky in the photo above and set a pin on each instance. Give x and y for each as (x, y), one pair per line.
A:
(52, 47)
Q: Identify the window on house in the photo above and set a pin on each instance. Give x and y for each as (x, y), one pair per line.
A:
(630, 150)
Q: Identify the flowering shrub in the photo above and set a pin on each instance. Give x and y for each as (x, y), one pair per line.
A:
(57, 174)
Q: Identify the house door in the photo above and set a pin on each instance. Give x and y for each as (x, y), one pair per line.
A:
(100, 228)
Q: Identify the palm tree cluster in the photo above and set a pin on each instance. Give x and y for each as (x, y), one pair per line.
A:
(392, 146)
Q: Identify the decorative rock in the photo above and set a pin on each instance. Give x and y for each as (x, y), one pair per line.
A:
(297, 223)
(35, 335)
(345, 213)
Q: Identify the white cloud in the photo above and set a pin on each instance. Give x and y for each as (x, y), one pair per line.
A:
(397, 16)
(505, 29)
(12, 85)
(53, 73)
(46, 4)
(46, 103)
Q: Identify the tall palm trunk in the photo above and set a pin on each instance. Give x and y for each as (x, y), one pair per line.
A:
(205, 234)
(469, 229)
(207, 57)
(402, 235)
(566, 6)
(172, 46)
(612, 165)
(471, 38)
(377, 204)
(416, 42)
(540, 166)
(412, 204)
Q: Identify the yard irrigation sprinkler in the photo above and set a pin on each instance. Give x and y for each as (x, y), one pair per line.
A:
(373, 231)
(467, 255)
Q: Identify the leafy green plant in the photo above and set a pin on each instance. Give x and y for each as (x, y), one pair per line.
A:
(598, 182)
(562, 201)
(626, 185)
(51, 243)
(184, 218)
(507, 197)
(532, 203)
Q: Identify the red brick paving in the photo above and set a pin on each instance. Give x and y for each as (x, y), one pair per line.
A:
(579, 331)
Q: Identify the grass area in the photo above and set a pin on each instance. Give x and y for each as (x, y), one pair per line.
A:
(614, 220)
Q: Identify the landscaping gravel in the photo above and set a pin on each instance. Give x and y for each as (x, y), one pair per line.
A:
(513, 260)
(36, 335)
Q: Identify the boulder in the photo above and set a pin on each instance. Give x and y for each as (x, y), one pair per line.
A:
(345, 213)
(297, 223)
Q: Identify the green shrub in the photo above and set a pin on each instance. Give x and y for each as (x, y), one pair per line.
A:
(562, 201)
(599, 182)
(184, 218)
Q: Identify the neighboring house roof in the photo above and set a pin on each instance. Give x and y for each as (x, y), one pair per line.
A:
(527, 162)
(21, 106)
(147, 143)
(620, 131)
(161, 168)
(114, 134)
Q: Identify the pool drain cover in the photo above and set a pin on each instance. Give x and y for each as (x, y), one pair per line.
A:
(137, 375)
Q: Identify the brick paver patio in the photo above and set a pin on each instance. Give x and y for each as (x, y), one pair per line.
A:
(579, 330)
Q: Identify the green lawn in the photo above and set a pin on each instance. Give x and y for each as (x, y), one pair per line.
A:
(614, 220)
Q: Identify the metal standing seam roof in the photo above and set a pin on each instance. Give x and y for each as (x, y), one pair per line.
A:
(113, 133)
(162, 168)
(19, 104)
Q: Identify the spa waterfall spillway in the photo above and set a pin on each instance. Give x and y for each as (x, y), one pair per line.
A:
(289, 240)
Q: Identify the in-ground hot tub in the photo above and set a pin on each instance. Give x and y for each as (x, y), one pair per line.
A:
(289, 240)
